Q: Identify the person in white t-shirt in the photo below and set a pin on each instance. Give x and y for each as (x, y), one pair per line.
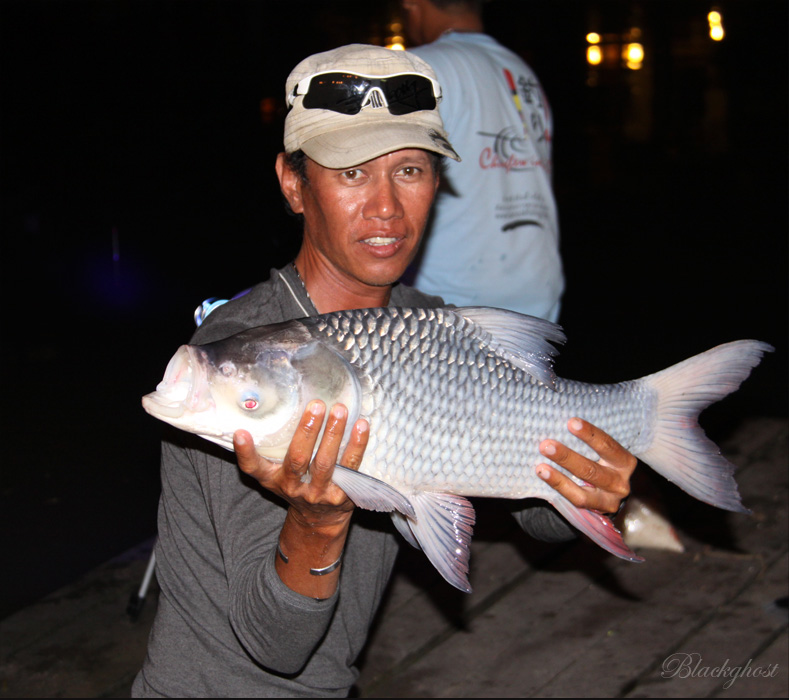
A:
(494, 236)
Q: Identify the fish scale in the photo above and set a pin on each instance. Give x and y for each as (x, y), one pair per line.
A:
(458, 401)
(519, 410)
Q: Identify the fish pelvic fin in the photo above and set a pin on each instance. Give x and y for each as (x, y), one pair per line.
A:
(597, 527)
(679, 450)
(524, 341)
(403, 527)
(440, 524)
(443, 528)
(370, 493)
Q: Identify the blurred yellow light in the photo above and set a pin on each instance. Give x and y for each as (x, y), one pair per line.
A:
(635, 53)
(594, 55)
(396, 47)
(716, 25)
(593, 38)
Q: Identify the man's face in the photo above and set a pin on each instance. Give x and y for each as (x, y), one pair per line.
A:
(364, 224)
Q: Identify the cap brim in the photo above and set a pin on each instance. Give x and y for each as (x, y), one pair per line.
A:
(352, 145)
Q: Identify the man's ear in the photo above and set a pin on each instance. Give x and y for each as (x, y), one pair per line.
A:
(290, 183)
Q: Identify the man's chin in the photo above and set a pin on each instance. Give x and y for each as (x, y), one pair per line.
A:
(385, 278)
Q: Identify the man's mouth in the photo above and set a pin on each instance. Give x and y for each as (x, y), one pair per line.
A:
(380, 241)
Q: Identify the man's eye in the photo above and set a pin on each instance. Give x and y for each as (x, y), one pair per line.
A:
(352, 174)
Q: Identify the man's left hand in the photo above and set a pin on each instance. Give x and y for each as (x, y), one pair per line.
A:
(607, 481)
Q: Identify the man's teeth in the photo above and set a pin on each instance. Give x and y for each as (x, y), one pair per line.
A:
(378, 240)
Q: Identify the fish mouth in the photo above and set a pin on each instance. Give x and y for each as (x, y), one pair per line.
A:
(184, 388)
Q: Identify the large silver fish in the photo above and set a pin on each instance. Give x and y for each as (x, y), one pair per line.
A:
(458, 401)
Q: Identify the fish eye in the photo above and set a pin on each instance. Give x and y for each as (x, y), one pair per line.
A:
(228, 369)
(250, 402)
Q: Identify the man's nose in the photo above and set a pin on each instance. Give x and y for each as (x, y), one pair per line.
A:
(383, 202)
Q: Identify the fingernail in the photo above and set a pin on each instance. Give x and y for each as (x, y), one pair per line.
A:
(576, 424)
(240, 439)
(543, 473)
(549, 449)
(316, 408)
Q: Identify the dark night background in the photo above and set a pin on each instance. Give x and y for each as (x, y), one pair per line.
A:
(137, 149)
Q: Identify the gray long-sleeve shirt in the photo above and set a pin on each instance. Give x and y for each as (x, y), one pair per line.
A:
(226, 625)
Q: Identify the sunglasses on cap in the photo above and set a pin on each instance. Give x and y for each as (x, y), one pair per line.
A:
(348, 93)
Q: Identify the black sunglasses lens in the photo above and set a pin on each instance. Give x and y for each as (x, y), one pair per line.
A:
(409, 93)
(345, 93)
(338, 92)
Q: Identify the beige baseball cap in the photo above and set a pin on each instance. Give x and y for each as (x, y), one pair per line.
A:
(336, 140)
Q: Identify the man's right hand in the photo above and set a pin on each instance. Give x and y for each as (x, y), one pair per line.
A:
(317, 522)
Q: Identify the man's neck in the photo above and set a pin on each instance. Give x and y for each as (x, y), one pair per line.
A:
(329, 290)
(446, 22)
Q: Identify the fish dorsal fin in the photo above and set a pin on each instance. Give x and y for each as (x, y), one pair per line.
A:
(524, 341)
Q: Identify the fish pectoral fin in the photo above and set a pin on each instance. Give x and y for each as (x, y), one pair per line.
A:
(524, 341)
(443, 527)
(404, 528)
(370, 493)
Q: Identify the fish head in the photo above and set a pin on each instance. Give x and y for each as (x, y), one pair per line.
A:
(260, 380)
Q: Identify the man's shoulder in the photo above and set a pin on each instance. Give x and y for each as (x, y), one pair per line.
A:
(262, 304)
(457, 45)
(460, 59)
(256, 306)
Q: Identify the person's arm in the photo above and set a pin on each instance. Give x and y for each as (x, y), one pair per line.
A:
(607, 481)
(316, 526)
(281, 618)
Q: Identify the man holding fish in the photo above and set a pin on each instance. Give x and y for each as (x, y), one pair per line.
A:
(268, 584)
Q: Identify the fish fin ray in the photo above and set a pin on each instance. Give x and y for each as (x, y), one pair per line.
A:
(402, 523)
(597, 527)
(524, 341)
(679, 449)
(443, 528)
(370, 493)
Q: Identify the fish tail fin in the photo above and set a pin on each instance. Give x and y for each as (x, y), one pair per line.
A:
(597, 527)
(679, 450)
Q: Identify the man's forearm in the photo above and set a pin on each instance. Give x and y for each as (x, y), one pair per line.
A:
(307, 549)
